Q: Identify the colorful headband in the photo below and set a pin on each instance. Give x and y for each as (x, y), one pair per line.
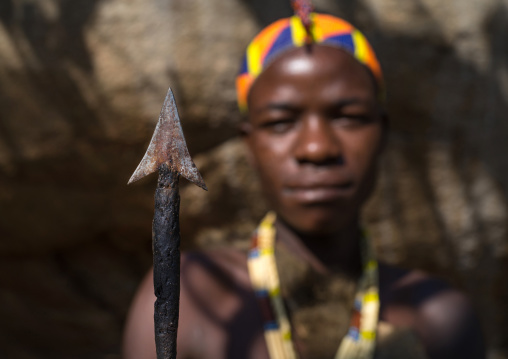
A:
(288, 33)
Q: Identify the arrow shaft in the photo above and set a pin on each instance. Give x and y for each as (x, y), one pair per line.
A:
(166, 260)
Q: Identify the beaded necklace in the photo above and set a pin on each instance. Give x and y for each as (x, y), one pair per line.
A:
(358, 343)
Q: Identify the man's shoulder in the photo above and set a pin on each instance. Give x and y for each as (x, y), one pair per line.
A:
(217, 297)
(222, 268)
(417, 290)
(215, 284)
(441, 315)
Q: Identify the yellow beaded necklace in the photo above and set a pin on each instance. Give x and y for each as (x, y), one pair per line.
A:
(358, 343)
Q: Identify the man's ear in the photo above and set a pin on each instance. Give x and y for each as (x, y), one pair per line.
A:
(385, 126)
(245, 130)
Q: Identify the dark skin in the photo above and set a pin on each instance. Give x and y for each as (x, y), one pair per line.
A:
(315, 133)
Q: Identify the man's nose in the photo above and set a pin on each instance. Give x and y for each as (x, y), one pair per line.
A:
(318, 143)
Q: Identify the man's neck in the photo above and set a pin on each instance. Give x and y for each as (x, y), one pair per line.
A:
(337, 252)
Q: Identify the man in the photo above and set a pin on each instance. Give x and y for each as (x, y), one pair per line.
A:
(310, 287)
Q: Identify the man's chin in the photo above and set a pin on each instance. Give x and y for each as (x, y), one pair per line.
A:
(318, 221)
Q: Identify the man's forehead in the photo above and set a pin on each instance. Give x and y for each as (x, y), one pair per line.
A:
(321, 71)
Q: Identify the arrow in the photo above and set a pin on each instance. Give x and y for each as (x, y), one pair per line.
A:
(168, 154)
(168, 147)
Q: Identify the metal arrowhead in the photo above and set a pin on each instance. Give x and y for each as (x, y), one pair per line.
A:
(168, 146)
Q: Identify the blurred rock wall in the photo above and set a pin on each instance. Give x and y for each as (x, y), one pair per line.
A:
(81, 86)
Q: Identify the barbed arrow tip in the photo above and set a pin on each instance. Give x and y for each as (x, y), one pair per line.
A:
(168, 146)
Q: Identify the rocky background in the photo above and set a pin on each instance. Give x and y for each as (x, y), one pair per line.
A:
(81, 86)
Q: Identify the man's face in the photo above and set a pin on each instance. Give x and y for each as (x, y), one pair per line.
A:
(314, 136)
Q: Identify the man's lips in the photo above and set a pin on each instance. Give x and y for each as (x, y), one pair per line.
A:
(319, 193)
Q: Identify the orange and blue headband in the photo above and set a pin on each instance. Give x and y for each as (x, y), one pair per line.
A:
(288, 33)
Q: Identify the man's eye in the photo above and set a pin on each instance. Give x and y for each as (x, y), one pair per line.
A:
(352, 120)
(279, 126)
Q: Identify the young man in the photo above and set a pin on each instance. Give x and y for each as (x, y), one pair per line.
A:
(310, 287)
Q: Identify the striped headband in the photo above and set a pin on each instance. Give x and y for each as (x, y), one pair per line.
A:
(288, 33)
